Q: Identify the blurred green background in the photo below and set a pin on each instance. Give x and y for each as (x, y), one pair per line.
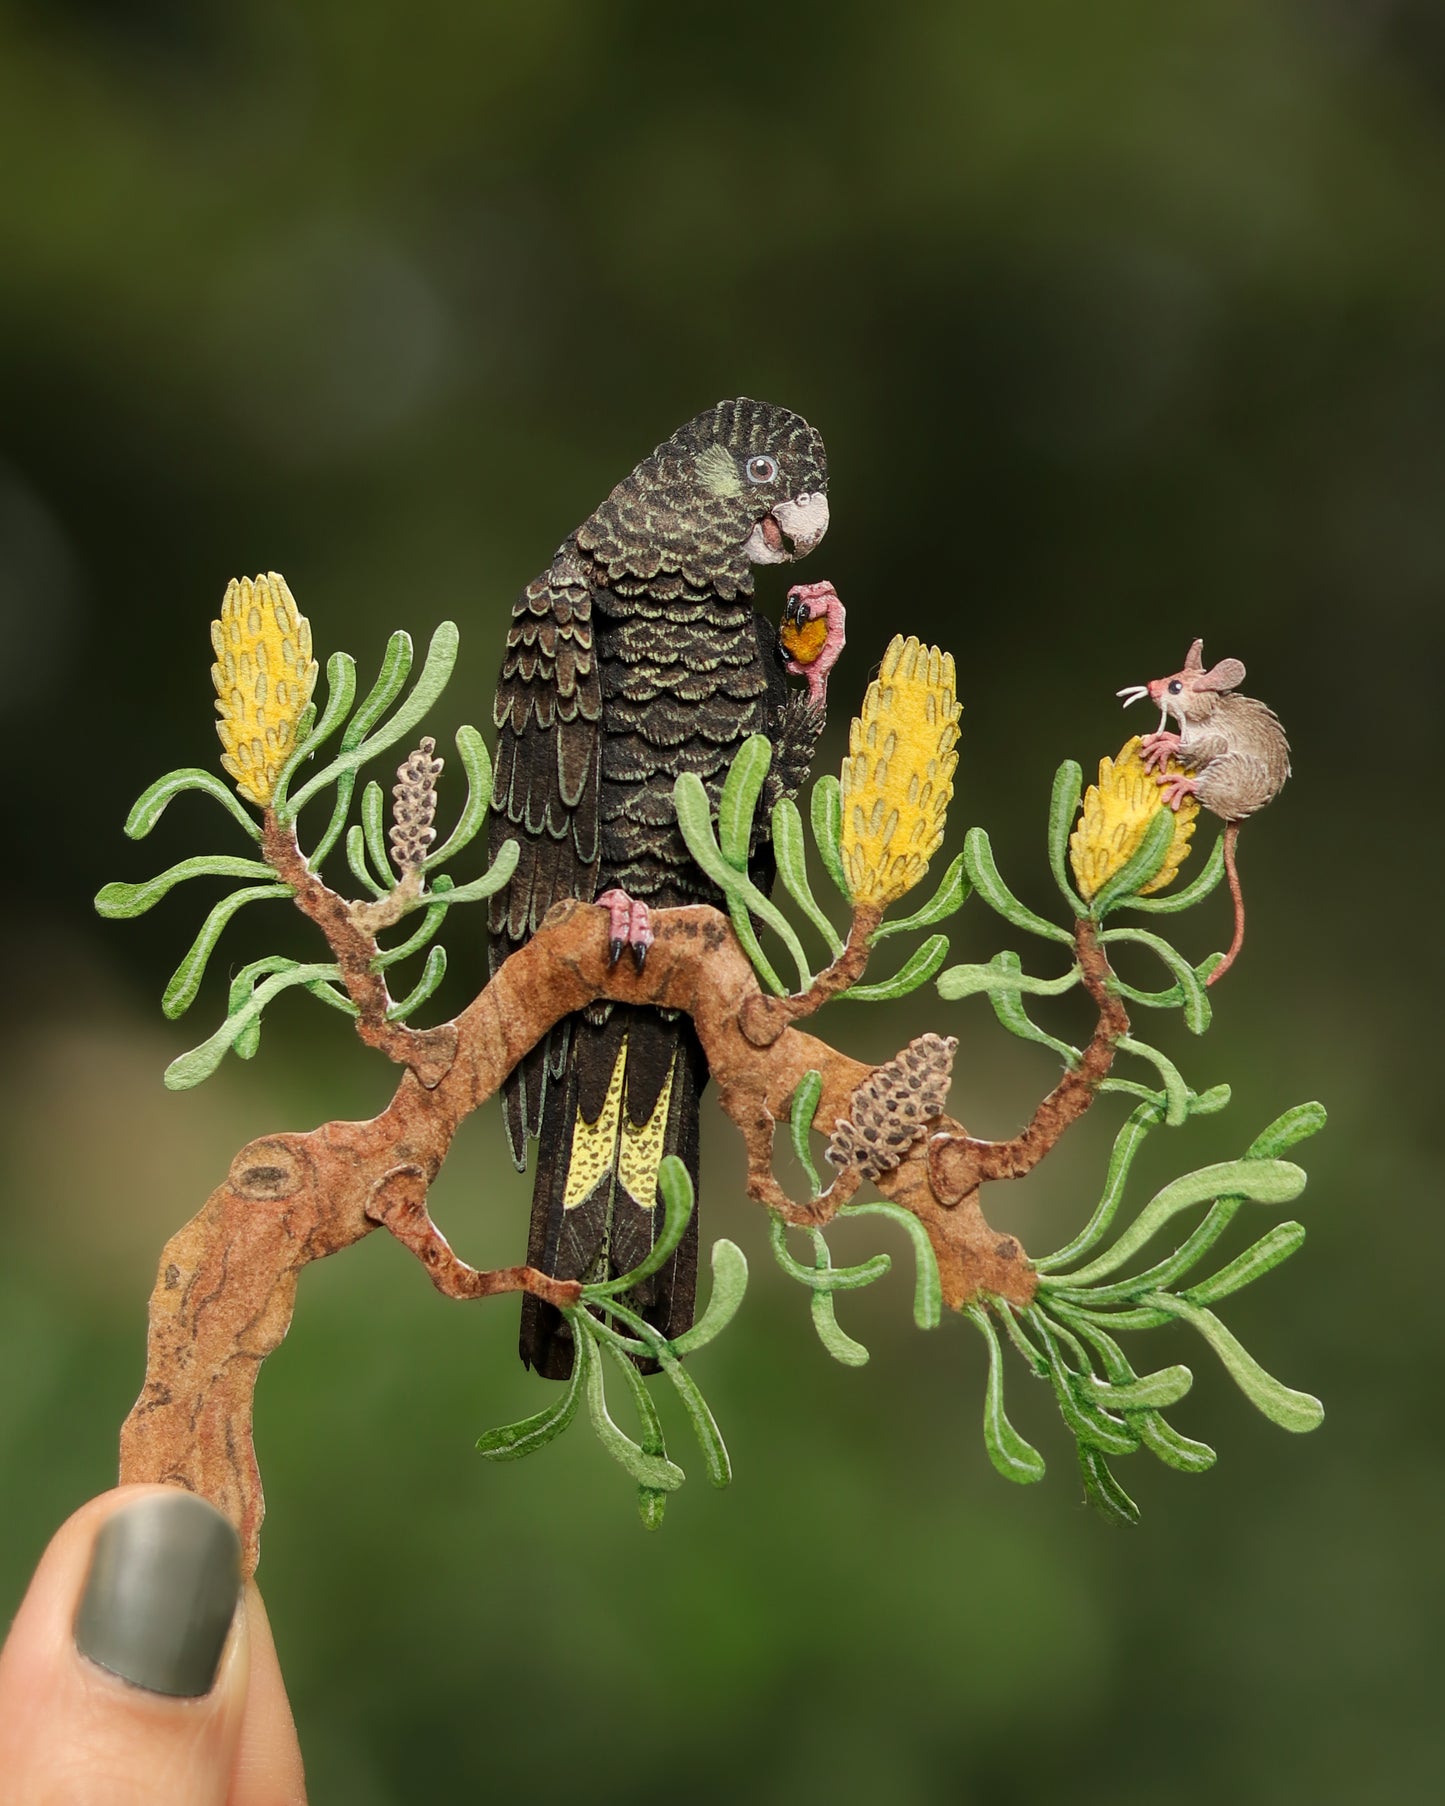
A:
(1124, 323)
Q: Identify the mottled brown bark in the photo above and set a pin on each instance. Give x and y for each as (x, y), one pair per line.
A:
(959, 1164)
(765, 1018)
(226, 1283)
(350, 929)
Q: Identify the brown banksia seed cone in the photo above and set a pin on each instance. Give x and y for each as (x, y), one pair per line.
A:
(413, 804)
(893, 1107)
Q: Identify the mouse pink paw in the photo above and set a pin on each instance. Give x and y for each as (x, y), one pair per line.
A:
(1156, 750)
(1176, 787)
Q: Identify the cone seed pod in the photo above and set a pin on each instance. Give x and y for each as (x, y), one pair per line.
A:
(414, 807)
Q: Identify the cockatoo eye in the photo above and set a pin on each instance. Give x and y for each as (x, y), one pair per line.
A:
(762, 469)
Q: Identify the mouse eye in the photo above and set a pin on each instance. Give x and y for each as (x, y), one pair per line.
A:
(762, 469)
(1176, 687)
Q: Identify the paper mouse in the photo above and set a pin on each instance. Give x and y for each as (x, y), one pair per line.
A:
(1234, 747)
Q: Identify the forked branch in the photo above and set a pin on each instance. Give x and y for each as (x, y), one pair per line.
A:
(226, 1284)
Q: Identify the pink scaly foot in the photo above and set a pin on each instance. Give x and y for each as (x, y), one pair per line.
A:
(631, 926)
(1156, 750)
(812, 635)
(1176, 788)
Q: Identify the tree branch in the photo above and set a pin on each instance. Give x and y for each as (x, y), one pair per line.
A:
(960, 1163)
(224, 1292)
(350, 933)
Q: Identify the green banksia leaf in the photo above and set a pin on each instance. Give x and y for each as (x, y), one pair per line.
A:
(496, 875)
(514, 1440)
(1150, 1392)
(1287, 1131)
(1194, 892)
(1261, 1181)
(1063, 807)
(920, 966)
(1265, 1254)
(729, 1285)
(356, 859)
(1281, 1404)
(674, 1187)
(437, 669)
(1192, 994)
(1103, 1491)
(431, 921)
(120, 901)
(1177, 1095)
(791, 856)
(1014, 1458)
(651, 1500)
(1009, 1008)
(1176, 1451)
(395, 669)
(835, 1339)
(999, 976)
(340, 693)
(185, 982)
(694, 820)
(828, 1279)
(947, 900)
(1126, 1145)
(432, 974)
(476, 763)
(979, 863)
(655, 1472)
(801, 1114)
(373, 826)
(704, 1425)
(738, 803)
(1144, 866)
(927, 1289)
(826, 809)
(152, 804)
(1090, 1425)
(191, 1068)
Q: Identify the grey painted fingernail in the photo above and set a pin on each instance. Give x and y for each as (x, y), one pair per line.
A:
(161, 1594)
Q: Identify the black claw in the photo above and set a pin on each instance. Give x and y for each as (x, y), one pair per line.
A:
(616, 951)
(639, 954)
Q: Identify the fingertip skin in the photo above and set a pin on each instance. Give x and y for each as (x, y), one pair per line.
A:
(106, 1732)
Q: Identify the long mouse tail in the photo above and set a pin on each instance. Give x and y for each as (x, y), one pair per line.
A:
(1231, 838)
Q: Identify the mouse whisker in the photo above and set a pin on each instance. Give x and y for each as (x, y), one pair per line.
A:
(1133, 693)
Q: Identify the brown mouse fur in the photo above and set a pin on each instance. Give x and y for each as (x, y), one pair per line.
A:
(1233, 746)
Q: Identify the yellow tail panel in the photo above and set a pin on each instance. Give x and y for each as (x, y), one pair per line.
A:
(642, 1148)
(594, 1144)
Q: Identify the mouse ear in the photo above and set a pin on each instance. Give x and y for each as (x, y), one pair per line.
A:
(1194, 658)
(1224, 676)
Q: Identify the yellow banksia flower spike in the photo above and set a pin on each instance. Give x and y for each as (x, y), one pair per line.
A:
(897, 780)
(1116, 812)
(264, 675)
